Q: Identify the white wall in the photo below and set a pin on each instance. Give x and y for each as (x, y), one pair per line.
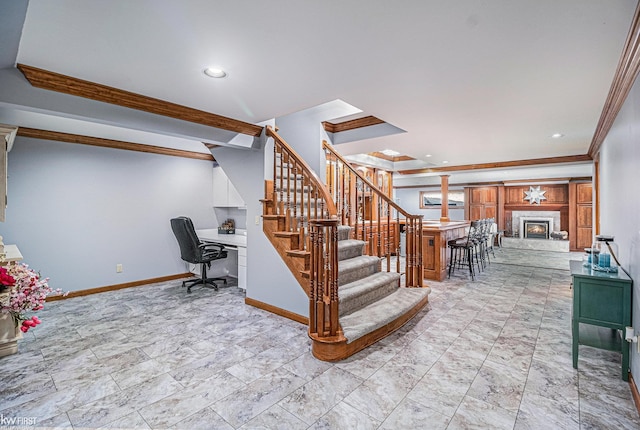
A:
(75, 211)
(619, 199)
(269, 280)
(409, 200)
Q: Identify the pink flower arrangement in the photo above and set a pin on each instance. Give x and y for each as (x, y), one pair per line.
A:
(27, 292)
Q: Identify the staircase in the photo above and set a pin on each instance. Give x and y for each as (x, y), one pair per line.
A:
(355, 299)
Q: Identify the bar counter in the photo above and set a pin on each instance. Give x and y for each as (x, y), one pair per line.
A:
(435, 255)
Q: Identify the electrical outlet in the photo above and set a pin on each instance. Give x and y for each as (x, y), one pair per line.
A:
(118, 268)
(257, 219)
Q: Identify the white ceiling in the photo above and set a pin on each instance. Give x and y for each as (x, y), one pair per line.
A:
(470, 81)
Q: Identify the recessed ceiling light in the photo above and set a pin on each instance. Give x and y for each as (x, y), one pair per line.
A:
(444, 162)
(390, 152)
(215, 72)
(557, 135)
(428, 155)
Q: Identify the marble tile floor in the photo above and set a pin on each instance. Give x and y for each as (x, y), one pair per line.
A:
(489, 354)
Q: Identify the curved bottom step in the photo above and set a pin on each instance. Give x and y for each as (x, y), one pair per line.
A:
(391, 313)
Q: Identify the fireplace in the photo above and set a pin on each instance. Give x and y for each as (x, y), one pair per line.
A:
(551, 218)
(536, 229)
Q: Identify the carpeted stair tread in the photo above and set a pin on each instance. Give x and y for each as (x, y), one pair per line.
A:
(365, 291)
(356, 268)
(350, 248)
(382, 312)
(344, 231)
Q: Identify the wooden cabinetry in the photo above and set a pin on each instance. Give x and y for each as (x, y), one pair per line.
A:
(483, 203)
(224, 193)
(580, 215)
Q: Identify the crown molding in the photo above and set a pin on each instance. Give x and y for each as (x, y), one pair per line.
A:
(108, 143)
(77, 87)
(623, 80)
(366, 121)
(501, 164)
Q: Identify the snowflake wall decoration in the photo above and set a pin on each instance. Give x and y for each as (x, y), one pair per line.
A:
(534, 195)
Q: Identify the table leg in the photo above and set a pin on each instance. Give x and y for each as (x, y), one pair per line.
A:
(575, 327)
(625, 359)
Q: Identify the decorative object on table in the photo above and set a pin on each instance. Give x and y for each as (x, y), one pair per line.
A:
(586, 257)
(26, 291)
(227, 227)
(604, 256)
(534, 195)
(559, 235)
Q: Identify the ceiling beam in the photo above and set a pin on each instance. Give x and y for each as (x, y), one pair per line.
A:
(624, 78)
(352, 124)
(501, 164)
(77, 87)
(108, 143)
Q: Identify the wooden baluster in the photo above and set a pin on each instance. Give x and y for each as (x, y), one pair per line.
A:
(379, 218)
(343, 201)
(318, 244)
(334, 310)
(369, 216)
(399, 248)
(313, 289)
(275, 177)
(409, 251)
(420, 279)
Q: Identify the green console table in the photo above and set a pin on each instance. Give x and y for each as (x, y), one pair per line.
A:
(601, 307)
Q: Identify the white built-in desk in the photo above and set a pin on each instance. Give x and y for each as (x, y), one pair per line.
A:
(236, 245)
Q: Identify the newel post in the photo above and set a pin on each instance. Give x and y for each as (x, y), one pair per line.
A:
(323, 276)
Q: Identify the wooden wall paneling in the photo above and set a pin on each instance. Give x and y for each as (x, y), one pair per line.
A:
(555, 193)
(564, 218)
(514, 195)
(490, 211)
(490, 195)
(573, 232)
(475, 212)
(500, 215)
(583, 240)
(583, 217)
(467, 203)
(584, 193)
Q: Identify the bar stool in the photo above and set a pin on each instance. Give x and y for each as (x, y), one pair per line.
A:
(464, 251)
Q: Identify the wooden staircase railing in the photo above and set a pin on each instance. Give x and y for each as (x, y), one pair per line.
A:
(307, 215)
(375, 218)
(302, 212)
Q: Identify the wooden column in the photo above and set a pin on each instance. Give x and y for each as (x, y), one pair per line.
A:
(444, 188)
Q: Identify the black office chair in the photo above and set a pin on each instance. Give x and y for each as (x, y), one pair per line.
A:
(193, 251)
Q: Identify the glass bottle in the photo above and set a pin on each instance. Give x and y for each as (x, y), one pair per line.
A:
(604, 254)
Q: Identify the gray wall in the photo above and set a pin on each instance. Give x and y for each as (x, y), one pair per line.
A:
(619, 201)
(75, 211)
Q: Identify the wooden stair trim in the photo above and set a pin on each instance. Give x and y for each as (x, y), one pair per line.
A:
(276, 310)
(340, 350)
(282, 245)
